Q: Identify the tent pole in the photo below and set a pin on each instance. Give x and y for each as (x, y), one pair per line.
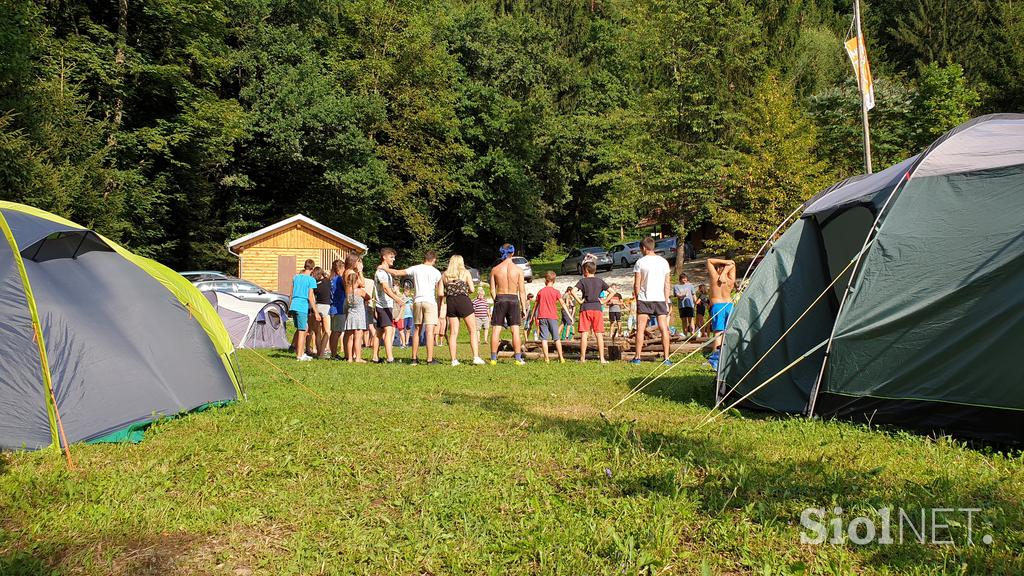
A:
(861, 85)
(872, 232)
(746, 273)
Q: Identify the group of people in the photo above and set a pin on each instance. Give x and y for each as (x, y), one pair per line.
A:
(338, 314)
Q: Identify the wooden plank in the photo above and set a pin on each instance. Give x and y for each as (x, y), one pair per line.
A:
(572, 348)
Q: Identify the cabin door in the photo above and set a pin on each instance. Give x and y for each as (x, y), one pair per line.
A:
(285, 272)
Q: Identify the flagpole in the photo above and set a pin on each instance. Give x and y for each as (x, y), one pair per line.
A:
(861, 57)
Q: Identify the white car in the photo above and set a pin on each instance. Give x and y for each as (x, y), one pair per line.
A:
(625, 255)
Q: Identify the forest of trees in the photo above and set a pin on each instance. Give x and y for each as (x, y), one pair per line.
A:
(175, 125)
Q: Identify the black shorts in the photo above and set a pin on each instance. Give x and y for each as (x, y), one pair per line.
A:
(385, 317)
(701, 309)
(651, 308)
(458, 306)
(506, 311)
(615, 316)
(685, 312)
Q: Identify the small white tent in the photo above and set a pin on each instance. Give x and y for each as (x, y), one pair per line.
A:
(251, 324)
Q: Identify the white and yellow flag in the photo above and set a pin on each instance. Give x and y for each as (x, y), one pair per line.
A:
(862, 69)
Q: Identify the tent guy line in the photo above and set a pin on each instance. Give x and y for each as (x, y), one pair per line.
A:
(828, 288)
(644, 383)
(711, 416)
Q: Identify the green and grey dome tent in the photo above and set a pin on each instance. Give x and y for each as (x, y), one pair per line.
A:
(97, 342)
(898, 297)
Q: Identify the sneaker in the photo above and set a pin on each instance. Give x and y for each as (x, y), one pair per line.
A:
(604, 361)
(666, 363)
(635, 361)
(478, 361)
(434, 362)
(561, 360)
(713, 360)
(520, 362)
(304, 358)
(493, 362)
(456, 363)
(415, 362)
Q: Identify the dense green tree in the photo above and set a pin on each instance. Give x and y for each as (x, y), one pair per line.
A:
(459, 124)
(774, 172)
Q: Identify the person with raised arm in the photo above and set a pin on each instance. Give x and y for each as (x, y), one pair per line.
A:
(426, 280)
(723, 279)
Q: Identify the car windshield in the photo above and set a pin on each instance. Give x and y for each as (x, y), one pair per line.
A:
(667, 243)
(593, 250)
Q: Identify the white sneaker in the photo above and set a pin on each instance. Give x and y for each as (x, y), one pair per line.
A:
(305, 358)
(521, 362)
(478, 361)
(455, 363)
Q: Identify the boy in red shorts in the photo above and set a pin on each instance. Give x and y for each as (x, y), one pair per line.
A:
(591, 311)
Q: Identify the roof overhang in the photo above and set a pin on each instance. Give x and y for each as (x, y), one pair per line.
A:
(298, 218)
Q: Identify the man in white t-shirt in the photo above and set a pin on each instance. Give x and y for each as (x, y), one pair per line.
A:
(425, 278)
(651, 288)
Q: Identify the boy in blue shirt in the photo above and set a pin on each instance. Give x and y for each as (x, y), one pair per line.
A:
(337, 306)
(303, 301)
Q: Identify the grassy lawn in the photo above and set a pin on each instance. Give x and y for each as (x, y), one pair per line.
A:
(492, 470)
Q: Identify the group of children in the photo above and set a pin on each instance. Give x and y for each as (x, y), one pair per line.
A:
(338, 314)
(692, 302)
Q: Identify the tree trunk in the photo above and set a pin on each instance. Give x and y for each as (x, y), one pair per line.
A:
(122, 40)
(680, 246)
(119, 58)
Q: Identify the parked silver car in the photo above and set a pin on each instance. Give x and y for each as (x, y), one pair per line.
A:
(194, 276)
(573, 263)
(243, 290)
(625, 255)
(523, 264)
(666, 248)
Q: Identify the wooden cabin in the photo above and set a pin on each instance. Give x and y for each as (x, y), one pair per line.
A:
(271, 256)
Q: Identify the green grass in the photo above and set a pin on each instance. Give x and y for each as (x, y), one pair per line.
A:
(540, 267)
(490, 470)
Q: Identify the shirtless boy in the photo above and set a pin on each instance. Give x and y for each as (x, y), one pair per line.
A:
(509, 292)
(723, 279)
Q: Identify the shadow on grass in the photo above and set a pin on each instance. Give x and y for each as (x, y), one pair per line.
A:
(686, 388)
(22, 564)
(146, 556)
(729, 479)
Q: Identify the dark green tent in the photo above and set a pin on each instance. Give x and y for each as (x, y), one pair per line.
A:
(924, 327)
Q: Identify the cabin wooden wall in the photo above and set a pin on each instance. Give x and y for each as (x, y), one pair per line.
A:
(258, 261)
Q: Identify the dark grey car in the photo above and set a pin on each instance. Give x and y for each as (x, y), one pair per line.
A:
(573, 263)
(243, 290)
